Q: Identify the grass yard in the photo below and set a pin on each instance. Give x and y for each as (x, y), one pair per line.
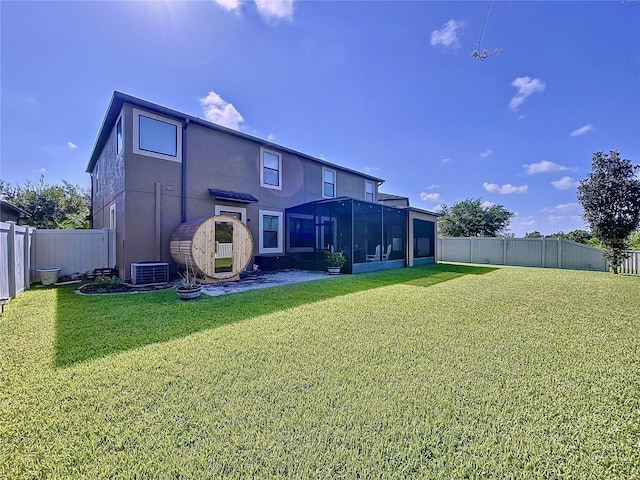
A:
(445, 371)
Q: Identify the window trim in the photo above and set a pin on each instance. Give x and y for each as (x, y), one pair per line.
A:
(112, 217)
(262, 167)
(270, 213)
(373, 192)
(120, 144)
(335, 182)
(227, 208)
(136, 136)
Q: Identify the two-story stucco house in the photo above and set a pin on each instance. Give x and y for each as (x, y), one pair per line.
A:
(154, 168)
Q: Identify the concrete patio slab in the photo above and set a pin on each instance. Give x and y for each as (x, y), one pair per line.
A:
(256, 280)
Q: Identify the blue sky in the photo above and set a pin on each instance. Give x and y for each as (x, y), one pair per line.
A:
(389, 88)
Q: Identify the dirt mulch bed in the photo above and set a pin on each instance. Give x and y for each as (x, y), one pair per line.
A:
(102, 288)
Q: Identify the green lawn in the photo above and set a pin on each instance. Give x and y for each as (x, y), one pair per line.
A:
(446, 371)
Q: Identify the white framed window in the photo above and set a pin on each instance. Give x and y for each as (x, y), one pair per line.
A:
(156, 136)
(270, 231)
(270, 169)
(369, 191)
(112, 217)
(119, 137)
(328, 182)
(236, 212)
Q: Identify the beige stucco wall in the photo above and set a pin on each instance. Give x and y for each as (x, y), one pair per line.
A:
(147, 190)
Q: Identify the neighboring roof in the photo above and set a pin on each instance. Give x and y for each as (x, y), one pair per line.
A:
(8, 206)
(233, 196)
(419, 210)
(390, 196)
(119, 99)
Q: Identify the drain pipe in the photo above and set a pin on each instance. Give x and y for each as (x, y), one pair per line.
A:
(184, 170)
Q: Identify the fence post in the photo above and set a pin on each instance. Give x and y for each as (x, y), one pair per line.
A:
(559, 252)
(504, 250)
(470, 249)
(11, 257)
(26, 258)
(544, 252)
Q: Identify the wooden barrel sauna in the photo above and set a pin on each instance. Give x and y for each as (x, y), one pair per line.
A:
(218, 247)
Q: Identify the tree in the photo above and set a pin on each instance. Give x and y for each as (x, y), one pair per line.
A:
(534, 234)
(610, 197)
(580, 236)
(470, 218)
(50, 206)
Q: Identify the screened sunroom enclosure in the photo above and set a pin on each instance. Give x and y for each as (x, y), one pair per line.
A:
(371, 236)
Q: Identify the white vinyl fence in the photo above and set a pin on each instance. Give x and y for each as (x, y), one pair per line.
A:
(526, 252)
(631, 264)
(15, 263)
(23, 250)
(75, 251)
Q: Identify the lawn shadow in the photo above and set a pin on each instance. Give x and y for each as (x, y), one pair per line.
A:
(93, 326)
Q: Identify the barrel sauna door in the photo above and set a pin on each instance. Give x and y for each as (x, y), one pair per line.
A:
(219, 247)
(224, 247)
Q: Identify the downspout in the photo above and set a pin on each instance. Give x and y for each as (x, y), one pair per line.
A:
(91, 203)
(184, 170)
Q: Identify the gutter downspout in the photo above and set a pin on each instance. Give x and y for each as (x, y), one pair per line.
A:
(184, 170)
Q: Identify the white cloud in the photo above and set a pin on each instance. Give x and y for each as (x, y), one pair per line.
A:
(368, 169)
(445, 160)
(565, 183)
(528, 222)
(526, 86)
(430, 197)
(487, 204)
(433, 186)
(582, 130)
(506, 189)
(562, 208)
(217, 110)
(41, 171)
(486, 153)
(447, 36)
(543, 166)
(271, 137)
(229, 4)
(72, 145)
(275, 9)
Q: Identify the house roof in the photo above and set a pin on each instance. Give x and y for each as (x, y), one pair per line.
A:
(390, 196)
(233, 196)
(9, 206)
(119, 99)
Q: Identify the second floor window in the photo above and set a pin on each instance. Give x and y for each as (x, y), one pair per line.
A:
(157, 136)
(270, 169)
(328, 183)
(368, 191)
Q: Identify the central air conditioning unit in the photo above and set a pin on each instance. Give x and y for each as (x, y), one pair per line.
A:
(146, 273)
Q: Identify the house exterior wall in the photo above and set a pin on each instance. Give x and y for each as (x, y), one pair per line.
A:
(145, 192)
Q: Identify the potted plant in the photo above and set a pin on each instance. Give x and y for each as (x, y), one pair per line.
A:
(190, 285)
(334, 261)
